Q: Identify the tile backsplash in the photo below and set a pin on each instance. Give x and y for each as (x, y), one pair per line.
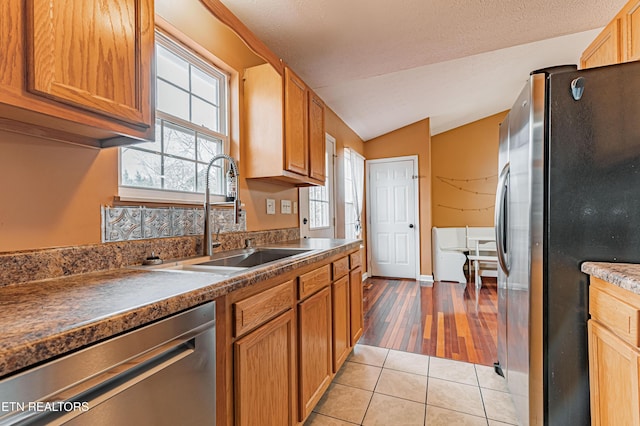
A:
(40, 264)
(138, 223)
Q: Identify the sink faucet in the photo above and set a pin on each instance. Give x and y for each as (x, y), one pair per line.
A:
(207, 249)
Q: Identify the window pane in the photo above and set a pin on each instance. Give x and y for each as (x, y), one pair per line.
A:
(172, 68)
(172, 100)
(204, 114)
(215, 179)
(155, 145)
(204, 85)
(140, 168)
(179, 141)
(179, 175)
(195, 94)
(208, 147)
(348, 191)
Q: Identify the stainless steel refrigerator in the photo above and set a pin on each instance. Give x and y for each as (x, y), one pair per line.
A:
(568, 191)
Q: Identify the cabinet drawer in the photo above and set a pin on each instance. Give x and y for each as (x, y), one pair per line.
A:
(354, 260)
(313, 281)
(340, 268)
(255, 310)
(608, 308)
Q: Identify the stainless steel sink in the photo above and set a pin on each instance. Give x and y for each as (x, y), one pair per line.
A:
(257, 257)
(230, 263)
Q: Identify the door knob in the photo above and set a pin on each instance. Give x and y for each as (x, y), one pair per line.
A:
(411, 225)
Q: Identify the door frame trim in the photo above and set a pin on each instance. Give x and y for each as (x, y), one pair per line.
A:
(416, 194)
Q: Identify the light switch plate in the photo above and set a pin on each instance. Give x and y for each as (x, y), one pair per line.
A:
(285, 206)
(295, 207)
(271, 206)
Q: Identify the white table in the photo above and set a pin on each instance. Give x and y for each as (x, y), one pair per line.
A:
(476, 257)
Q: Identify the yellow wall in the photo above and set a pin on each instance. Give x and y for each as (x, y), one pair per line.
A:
(414, 139)
(51, 192)
(464, 173)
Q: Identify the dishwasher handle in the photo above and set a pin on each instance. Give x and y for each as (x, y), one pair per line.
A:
(115, 380)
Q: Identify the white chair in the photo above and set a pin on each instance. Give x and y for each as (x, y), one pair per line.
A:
(482, 252)
(448, 247)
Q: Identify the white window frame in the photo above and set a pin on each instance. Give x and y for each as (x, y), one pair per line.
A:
(350, 230)
(131, 193)
(325, 201)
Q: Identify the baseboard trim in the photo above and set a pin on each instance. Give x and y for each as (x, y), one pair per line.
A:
(425, 278)
(365, 276)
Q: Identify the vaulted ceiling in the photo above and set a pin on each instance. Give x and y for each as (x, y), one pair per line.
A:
(381, 64)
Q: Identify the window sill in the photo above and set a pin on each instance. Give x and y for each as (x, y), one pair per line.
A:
(139, 196)
(121, 201)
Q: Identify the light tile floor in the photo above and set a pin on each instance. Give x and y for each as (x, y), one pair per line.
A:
(378, 386)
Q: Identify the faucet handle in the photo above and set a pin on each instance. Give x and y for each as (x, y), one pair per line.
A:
(248, 242)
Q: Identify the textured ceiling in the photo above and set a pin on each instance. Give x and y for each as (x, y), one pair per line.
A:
(382, 64)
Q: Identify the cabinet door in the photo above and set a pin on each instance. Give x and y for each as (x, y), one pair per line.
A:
(613, 375)
(295, 124)
(95, 55)
(606, 49)
(264, 374)
(317, 148)
(357, 311)
(341, 322)
(631, 31)
(314, 350)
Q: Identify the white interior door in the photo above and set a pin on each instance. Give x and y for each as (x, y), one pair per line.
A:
(392, 210)
(317, 204)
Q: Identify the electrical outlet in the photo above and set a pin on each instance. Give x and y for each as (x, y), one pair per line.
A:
(285, 206)
(295, 207)
(271, 206)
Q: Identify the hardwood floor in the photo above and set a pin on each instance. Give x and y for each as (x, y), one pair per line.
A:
(442, 320)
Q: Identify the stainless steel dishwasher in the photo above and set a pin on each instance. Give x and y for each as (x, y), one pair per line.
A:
(160, 374)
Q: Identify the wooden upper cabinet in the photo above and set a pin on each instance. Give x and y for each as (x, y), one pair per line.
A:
(296, 139)
(82, 70)
(606, 49)
(317, 143)
(284, 125)
(618, 42)
(630, 16)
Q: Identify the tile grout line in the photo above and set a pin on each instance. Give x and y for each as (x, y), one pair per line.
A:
(373, 392)
(426, 393)
(484, 408)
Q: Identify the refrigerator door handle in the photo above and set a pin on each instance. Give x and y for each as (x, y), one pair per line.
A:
(501, 192)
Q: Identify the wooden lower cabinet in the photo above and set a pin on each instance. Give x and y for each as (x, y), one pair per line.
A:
(357, 310)
(264, 374)
(614, 354)
(285, 339)
(314, 350)
(341, 321)
(613, 374)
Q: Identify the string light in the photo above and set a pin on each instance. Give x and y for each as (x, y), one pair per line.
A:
(467, 180)
(466, 210)
(449, 180)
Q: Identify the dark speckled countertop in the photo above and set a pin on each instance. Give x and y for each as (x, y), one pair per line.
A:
(624, 275)
(43, 319)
